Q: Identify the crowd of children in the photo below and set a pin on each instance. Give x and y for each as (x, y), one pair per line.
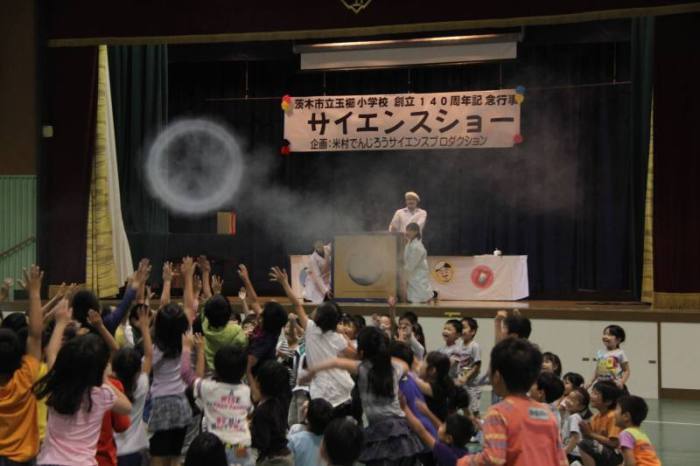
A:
(198, 384)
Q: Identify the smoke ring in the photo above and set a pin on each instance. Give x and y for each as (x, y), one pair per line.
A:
(216, 183)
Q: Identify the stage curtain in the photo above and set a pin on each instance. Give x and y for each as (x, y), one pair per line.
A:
(677, 164)
(65, 167)
(641, 75)
(139, 82)
(648, 268)
(571, 197)
(108, 261)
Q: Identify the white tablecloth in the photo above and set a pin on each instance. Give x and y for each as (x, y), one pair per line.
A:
(479, 278)
(468, 278)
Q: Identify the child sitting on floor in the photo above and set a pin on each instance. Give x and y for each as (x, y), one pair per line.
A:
(636, 447)
(601, 435)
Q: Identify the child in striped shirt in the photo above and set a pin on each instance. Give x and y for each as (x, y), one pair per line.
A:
(518, 430)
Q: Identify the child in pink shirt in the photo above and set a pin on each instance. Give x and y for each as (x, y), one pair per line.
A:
(517, 431)
(77, 399)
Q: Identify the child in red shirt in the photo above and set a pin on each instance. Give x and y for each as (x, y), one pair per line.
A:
(111, 422)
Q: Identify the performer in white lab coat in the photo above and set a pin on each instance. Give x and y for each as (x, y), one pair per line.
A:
(409, 214)
(415, 267)
(318, 279)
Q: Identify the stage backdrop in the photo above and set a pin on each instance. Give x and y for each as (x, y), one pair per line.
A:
(569, 196)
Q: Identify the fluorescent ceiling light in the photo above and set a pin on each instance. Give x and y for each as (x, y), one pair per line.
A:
(403, 52)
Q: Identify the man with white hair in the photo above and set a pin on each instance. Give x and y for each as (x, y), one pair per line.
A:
(409, 214)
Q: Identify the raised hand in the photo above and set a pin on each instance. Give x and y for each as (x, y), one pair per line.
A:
(278, 275)
(501, 315)
(391, 301)
(62, 313)
(243, 272)
(143, 320)
(95, 319)
(188, 266)
(197, 286)
(143, 271)
(32, 279)
(191, 340)
(204, 264)
(5, 288)
(217, 284)
(168, 272)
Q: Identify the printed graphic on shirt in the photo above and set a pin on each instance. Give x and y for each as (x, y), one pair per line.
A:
(538, 414)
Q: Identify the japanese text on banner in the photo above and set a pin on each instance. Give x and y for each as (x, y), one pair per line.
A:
(455, 120)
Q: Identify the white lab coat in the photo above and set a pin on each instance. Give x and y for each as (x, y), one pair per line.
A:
(415, 267)
(318, 278)
(403, 217)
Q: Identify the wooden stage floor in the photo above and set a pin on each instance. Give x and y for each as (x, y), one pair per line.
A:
(537, 309)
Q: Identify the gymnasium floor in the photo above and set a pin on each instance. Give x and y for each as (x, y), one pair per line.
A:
(672, 425)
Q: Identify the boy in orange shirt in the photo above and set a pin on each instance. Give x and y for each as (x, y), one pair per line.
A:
(637, 450)
(518, 430)
(19, 369)
(600, 444)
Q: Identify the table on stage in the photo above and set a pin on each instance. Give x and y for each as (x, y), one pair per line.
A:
(458, 278)
(479, 278)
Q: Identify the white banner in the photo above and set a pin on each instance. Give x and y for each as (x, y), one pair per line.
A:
(479, 278)
(450, 120)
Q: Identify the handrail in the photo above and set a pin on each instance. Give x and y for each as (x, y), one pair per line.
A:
(16, 247)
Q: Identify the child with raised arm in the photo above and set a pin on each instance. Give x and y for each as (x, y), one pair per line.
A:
(19, 429)
(323, 343)
(226, 400)
(170, 410)
(263, 341)
(518, 430)
(133, 371)
(388, 438)
(78, 395)
(450, 443)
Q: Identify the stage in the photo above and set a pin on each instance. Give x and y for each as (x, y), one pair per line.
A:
(534, 309)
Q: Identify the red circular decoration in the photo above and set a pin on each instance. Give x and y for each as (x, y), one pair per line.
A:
(482, 277)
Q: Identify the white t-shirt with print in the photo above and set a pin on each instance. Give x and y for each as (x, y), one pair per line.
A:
(226, 408)
(468, 356)
(609, 365)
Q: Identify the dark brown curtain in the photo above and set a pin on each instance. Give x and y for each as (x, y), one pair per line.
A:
(677, 156)
(64, 170)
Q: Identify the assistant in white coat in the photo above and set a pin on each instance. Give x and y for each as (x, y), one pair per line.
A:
(318, 278)
(415, 267)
